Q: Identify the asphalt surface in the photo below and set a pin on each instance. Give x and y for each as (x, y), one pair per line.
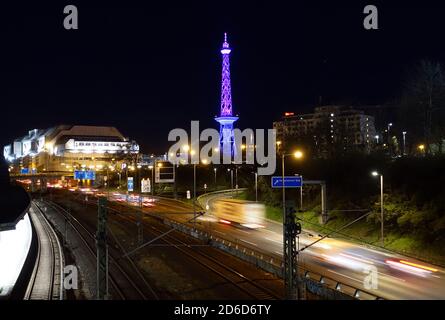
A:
(384, 274)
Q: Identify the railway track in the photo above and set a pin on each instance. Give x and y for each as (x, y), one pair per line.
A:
(124, 286)
(250, 287)
(46, 282)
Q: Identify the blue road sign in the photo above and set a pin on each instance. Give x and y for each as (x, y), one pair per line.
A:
(289, 182)
(84, 175)
(130, 183)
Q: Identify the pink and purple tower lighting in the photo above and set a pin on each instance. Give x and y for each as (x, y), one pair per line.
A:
(226, 118)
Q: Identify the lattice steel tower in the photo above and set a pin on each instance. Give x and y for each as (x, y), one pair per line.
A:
(226, 118)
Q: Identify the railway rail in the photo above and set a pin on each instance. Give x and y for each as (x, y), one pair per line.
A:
(124, 286)
(46, 281)
(248, 286)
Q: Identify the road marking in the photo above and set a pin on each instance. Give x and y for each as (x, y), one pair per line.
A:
(280, 242)
(279, 252)
(390, 276)
(269, 231)
(249, 242)
(245, 231)
(220, 232)
(343, 275)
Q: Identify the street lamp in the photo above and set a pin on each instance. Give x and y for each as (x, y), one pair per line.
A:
(298, 155)
(152, 180)
(376, 174)
(389, 137)
(421, 148)
(404, 142)
(214, 170)
(287, 249)
(231, 178)
(256, 186)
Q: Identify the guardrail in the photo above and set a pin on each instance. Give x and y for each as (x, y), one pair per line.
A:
(315, 283)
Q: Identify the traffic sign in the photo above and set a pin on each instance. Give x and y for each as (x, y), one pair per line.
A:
(289, 182)
(164, 172)
(84, 175)
(130, 183)
(145, 186)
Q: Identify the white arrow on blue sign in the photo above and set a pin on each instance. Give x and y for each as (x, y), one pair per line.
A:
(289, 182)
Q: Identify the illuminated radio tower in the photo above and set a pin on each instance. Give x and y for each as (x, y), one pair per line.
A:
(226, 118)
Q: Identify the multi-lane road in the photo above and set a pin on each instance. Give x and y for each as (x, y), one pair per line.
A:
(397, 277)
(385, 274)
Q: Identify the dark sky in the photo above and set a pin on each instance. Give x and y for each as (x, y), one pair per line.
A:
(148, 69)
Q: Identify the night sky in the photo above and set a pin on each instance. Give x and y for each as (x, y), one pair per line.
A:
(148, 69)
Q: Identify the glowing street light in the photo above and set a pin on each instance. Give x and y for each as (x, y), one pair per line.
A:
(298, 154)
(376, 174)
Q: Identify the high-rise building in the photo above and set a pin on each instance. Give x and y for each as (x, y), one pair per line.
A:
(226, 117)
(328, 130)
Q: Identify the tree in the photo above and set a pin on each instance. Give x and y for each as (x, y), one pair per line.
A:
(422, 104)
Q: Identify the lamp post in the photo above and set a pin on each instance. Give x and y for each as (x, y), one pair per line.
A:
(186, 148)
(256, 186)
(376, 174)
(287, 249)
(236, 180)
(214, 170)
(404, 142)
(231, 178)
(389, 137)
(152, 180)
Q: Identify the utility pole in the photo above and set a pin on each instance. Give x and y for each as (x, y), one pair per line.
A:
(102, 250)
(381, 210)
(139, 223)
(256, 186)
(236, 179)
(289, 244)
(194, 196)
(214, 170)
(291, 230)
(404, 143)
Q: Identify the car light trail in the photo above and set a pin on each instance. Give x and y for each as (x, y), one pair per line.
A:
(418, 266)
(407, 268)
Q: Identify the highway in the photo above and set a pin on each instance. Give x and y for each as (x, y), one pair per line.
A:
(398, 277)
